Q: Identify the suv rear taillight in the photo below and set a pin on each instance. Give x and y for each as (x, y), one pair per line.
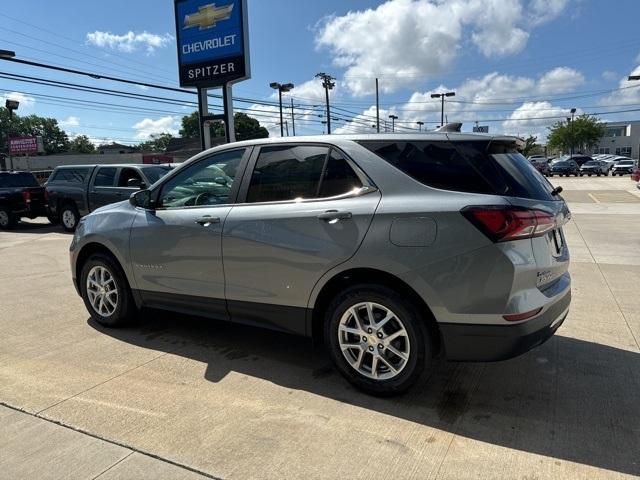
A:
(505, 223)
(26, 196)
(46, 195)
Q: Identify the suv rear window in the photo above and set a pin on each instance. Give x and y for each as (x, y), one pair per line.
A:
(8, 180)
(71, 175)
(475, 167)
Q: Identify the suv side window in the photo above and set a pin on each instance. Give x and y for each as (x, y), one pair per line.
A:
(127, 174)
(338, 177)
(287, 173)
(208, 182)
(437, 164)
(105, 177)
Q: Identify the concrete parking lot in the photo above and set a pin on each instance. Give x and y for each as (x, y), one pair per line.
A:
(178, 397)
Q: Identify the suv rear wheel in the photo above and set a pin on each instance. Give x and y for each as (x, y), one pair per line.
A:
(105, 291)
(377, 340)
(7, 219)
(69, 217)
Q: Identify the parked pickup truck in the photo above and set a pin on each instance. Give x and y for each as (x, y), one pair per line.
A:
(76, 190)
(20, 196)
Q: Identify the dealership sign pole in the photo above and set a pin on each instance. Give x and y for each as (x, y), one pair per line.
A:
(213, 52)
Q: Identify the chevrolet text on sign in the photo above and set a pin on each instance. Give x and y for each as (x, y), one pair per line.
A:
(212, 46)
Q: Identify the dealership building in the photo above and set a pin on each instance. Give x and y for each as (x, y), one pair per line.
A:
(621, 138)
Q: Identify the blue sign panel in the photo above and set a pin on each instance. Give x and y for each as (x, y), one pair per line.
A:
(212, 42)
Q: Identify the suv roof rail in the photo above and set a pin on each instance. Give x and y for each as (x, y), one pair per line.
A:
(450, 127)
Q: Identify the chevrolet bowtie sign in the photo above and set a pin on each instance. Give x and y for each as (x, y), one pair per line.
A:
(212, 41)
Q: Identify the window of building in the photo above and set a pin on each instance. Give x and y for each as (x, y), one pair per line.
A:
(615, 132)
(624, 151)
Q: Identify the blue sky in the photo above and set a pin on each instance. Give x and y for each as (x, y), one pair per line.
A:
(516, 65)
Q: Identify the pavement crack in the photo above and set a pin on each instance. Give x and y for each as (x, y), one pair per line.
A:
(112, 442)
(117, 463)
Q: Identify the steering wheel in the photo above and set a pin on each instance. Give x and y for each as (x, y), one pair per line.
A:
(204, 198)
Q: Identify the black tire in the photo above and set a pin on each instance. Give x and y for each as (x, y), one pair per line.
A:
(69, 217)
(420, 352)
(125, 309)
(551, 174)
(7, 219)
(581, 174)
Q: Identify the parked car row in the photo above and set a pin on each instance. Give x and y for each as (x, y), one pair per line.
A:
(71, 192)
(580, 165)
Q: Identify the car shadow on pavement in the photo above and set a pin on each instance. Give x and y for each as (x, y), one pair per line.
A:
(569, 399)
(31, 226)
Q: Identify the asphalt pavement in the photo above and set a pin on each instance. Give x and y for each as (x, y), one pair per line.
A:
(179, 397)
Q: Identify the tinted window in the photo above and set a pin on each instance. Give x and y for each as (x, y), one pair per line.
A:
(154, 174)
(71, 175)
(18, 180)
(287, 173)
(338, 176)
(105, 177)
(437, 164)
(208, 182)
(475, 167)
(127, 174)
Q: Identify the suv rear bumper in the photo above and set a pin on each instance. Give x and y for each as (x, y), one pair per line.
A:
(487, 343)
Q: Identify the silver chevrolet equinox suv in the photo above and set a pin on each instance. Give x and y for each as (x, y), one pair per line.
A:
(391, 249)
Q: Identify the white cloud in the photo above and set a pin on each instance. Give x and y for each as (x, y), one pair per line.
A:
(609, 75)
(533, 118)
(404, 40)
(546, 10)
(488, 97)
(70, 121)
(130, 41)
(25, 100)
(148, 127)
(628, 92)
(559, 80)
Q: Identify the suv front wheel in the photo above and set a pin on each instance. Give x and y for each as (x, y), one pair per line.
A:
(105, 291)
(377, 340)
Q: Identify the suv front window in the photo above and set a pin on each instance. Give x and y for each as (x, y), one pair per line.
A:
(208, 182)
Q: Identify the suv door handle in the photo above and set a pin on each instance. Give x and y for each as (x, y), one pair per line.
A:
(333, 216)
(207, 220)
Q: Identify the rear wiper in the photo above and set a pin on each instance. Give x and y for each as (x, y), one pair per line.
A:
(556, 191)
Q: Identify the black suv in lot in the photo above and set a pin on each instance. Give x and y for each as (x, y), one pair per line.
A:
(75, 191)
(20, 196)
(564, 167)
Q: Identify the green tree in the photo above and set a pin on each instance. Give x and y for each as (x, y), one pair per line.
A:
(245, 126)
(81, 144)
(157, 143)
(582, 134)
(531, 147)
(190, 126)
(54, 138)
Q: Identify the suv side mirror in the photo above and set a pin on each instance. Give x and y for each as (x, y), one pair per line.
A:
(141, 199)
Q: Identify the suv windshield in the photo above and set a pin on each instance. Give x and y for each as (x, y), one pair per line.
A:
(18, 180)
(625, 162)
(478, 166)
(591, 163)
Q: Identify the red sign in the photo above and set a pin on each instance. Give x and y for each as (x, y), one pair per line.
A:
(18, 145)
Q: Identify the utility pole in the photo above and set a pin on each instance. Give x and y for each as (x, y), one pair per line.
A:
(377, 108)
(286, 124)
(10, 105)
(293, 119)
(393, 122)
(441, 96)
(573, 111)
(281, 87)
(328, 84)
(420, 125)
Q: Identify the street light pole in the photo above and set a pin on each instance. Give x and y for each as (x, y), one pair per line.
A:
(281, 87)
(420, 125)
(393, 122)
(328, 84)
(441, 96)
(293, 119)
(573, 111)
